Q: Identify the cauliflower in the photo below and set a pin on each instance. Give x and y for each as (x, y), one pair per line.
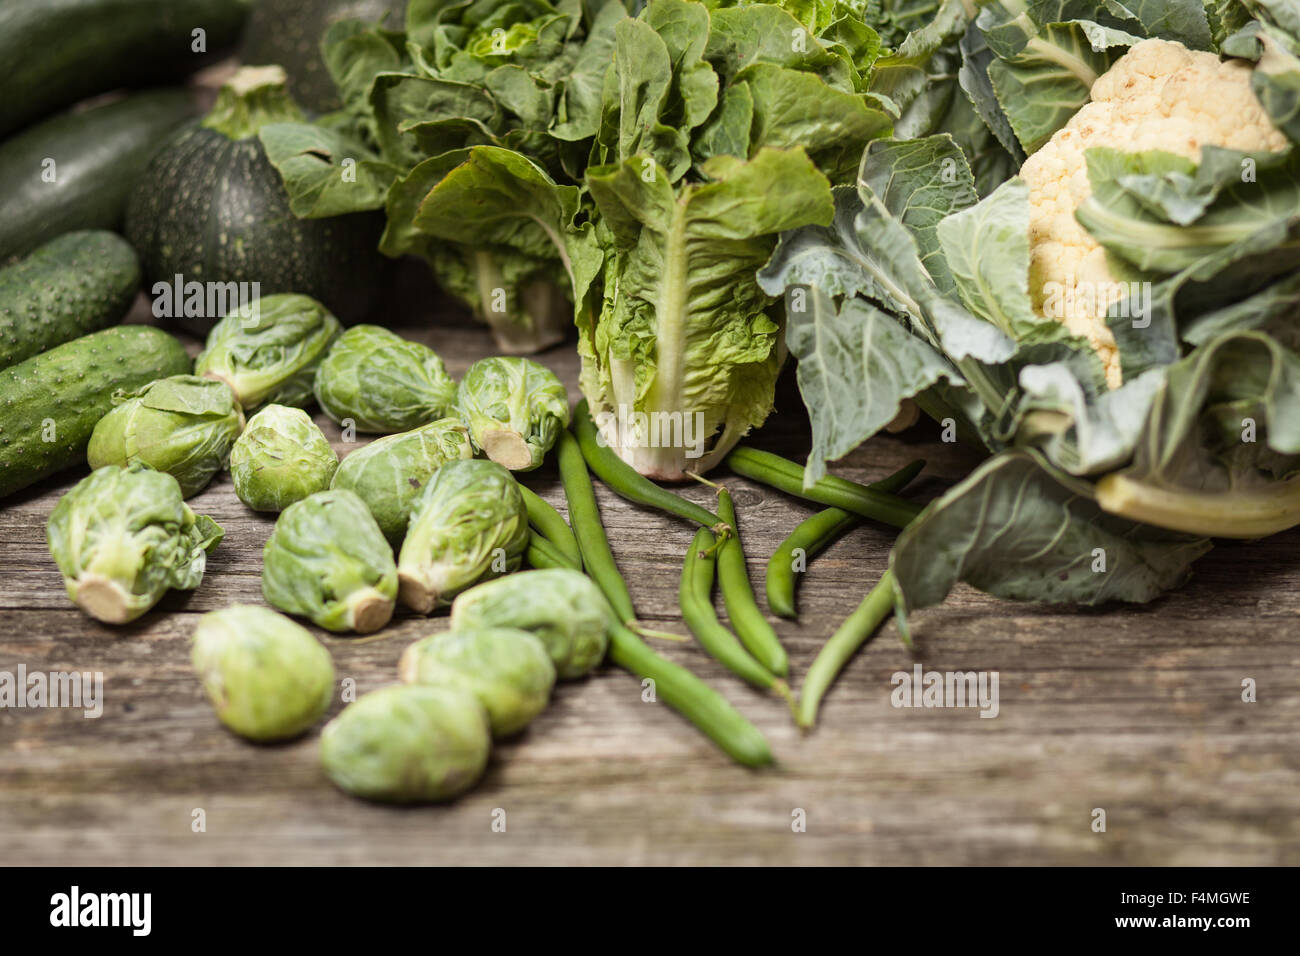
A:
(1159, 95)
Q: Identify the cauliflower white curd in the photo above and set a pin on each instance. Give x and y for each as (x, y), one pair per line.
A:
(1159, 95)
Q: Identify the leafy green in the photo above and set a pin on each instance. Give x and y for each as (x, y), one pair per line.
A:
(1018, 531)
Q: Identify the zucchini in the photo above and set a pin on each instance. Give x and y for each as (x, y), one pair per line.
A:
(290, 33)
(97, 154)
(210, 207)
(79, 283)
(57, 52)
(50, 403)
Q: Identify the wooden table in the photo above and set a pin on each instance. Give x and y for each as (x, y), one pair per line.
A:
(1135, 710)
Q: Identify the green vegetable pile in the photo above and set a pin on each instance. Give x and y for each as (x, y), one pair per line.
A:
(1067, 231)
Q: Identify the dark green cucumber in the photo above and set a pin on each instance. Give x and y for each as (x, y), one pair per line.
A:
(290, 32)
(57, 52)
(74, 171)
(79, 283)
(49, 404)
(210, 207)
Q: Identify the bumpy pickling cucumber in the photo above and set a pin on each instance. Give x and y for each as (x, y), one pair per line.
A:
(77, 284)
(50, 403)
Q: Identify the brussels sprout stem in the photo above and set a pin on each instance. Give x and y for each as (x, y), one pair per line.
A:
(507, 449)
(368, 610)
(103, 599)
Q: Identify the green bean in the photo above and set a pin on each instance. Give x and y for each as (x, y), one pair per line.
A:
(813, 536)
(696, 597)
(738, 596)
(785, 475)
(624, 480)
(593, 544)
(695, 700)
(543, 516)
(835, 653)
(542, 553)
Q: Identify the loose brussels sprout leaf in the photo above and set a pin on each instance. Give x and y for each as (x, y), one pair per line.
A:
(469, 524)
(123, 536)
(272, 354)
(267, 677)
(409, 744)
(564, 609)
(383, 382)
(327, 560)
(507, 670)
(514, 408)
(390, 473)
(183, 425)
(281, 457)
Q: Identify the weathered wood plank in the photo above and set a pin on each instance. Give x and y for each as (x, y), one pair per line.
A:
(1135, 710)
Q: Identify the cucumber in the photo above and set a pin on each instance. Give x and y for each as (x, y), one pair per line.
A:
(79, 283)
(57, 52)
(59, 395)
(97, 153)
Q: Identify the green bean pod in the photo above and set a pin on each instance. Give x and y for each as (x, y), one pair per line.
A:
(593, 544)
(785, 475)
(695, 595)
(738, 596)
(813, 536)
(542, 553)
(835, 653)
(692, 698)
(625, 481)
(552, 526)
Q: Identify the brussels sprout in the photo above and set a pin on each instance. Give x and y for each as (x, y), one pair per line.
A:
(390, 473)
(563, 609)
(270, 356)
(508, 670)
(182, 425)
(326, 560)
(409, 744)
(383, 382)
(122, 536)
(281, 457)
(267, 677)
(469, 524)
(515, 410)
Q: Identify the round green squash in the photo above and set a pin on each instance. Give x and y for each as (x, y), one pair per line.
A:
(211, 208)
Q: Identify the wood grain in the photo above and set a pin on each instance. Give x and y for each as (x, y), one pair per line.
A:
(1136, 710)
